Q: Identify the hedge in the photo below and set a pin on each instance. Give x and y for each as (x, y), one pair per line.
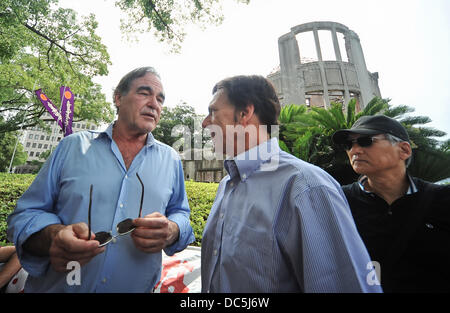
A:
(200, 196)
(12, 186)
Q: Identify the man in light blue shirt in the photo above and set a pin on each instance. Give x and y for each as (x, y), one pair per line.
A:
(278, 224)
(50, 226)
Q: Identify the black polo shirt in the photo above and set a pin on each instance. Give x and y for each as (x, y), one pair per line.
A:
(422, 260)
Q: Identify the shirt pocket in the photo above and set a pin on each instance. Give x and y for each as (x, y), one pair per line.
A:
(247, 256)
(249, 238)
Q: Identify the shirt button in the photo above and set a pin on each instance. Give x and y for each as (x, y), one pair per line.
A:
(104, 280)
(215, 252)
(231, 184)
(244, 176)
(430, 226)
(114, 240)
(221, 215)
(121, 205)
(126, 176)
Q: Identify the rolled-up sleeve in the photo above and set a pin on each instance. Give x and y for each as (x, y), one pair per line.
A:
(178, 211)
(35, 211)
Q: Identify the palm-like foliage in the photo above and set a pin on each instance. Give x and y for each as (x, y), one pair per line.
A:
(307, 135)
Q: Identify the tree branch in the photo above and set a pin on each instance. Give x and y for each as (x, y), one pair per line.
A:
(53, 42)
(12, 109)
(152, 5)
(65, 38)
(48, 58)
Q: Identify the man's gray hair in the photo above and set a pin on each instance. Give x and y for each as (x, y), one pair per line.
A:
(124, 85)
(394, 140)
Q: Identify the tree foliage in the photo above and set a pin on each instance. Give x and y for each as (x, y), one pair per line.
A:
(175, 123)
(307, 135)
(43, 46)
(168, 18)
(46, 46)
(7, 145)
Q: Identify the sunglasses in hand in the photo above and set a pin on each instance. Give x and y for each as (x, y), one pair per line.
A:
(124, 227)
(363, 141)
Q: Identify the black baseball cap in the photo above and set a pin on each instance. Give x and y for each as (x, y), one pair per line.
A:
(372, 125)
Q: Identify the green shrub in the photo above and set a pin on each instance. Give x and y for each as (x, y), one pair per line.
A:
(12, 186)
(200, 196)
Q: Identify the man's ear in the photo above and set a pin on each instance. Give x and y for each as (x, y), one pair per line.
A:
(246, 115)
(117, 97)
(405, 150)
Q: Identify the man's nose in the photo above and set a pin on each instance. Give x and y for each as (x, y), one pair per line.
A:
(206, 122)
(355, 148)
(153, 103)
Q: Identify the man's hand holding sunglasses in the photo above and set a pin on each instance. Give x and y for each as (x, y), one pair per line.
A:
(63, 244)
(154, 232)
(71, 244)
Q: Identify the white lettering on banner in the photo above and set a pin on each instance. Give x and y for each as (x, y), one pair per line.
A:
(74, 276)
(374, 276)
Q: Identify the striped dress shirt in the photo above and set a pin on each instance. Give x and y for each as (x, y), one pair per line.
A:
(279, 224)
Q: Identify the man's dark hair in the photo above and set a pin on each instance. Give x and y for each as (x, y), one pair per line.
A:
(243, 90)
(124, 85)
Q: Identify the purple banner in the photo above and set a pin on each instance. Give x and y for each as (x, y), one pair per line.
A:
(47, 103)
(67, 104)
(65, 116)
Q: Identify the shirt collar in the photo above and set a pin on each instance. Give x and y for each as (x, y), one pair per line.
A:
(246, 163)
(150, 139)
(411, 189)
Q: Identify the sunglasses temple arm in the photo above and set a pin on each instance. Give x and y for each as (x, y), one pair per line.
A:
(89, 217)
(142, 194)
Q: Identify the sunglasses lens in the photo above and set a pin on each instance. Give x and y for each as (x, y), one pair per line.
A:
(361, 141)
(125, 226)
(103, 237)
(348, 144)
(364, 141)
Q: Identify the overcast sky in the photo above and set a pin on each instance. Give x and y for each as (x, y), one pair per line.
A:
(406, 41)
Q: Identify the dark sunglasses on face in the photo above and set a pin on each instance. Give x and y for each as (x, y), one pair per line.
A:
(364, 141)
(124, 227)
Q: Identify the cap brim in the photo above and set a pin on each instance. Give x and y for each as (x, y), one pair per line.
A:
(341, 136)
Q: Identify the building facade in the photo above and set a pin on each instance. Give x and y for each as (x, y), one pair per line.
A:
(330, 76)
(37, 140)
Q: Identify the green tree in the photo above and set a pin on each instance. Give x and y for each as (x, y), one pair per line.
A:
(290, 124)
(7, 144)
(43, 46)
(308, 136)
(168, 18)
(176, 123)
(431, 157)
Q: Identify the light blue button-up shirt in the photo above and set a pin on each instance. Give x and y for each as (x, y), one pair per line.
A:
(60, 195)
(279, 224)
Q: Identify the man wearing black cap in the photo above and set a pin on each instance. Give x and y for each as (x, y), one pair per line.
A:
(404, 221)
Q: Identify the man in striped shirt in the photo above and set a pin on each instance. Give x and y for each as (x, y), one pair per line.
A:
(278, 224)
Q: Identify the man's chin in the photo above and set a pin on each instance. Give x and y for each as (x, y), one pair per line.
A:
(360, 170)
(149, 127)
